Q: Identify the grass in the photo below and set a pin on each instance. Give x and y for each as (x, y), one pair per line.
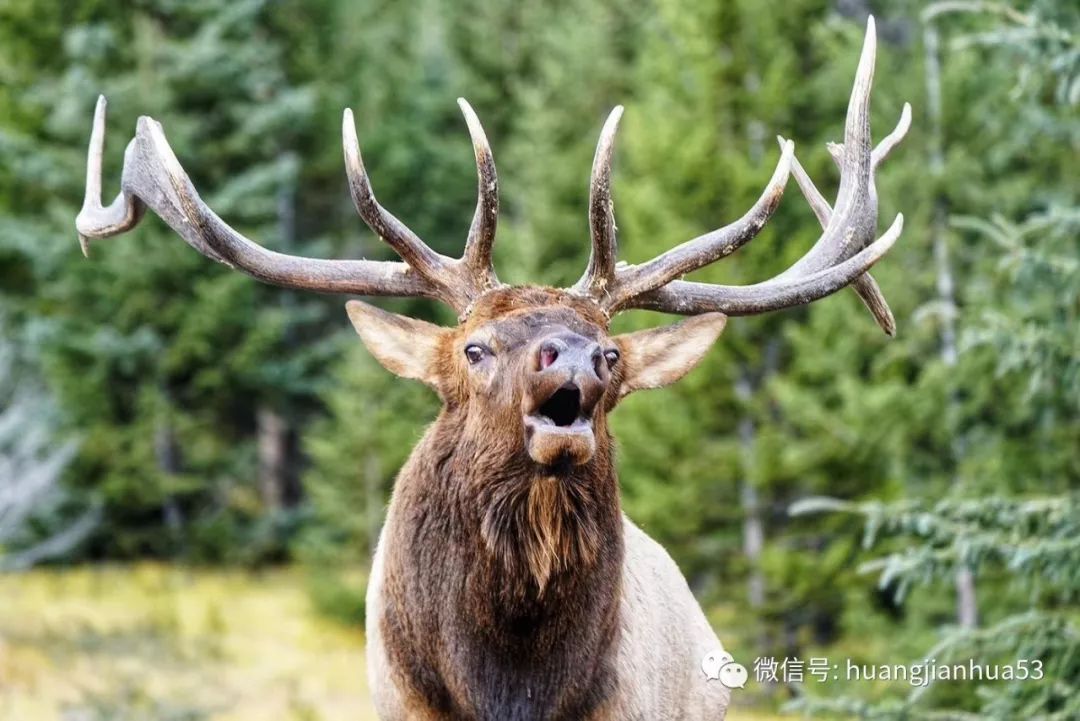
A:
(160, 643)
(154, 643)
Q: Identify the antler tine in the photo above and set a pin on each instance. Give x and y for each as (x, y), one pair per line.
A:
(857, 125)
(893, 139)
(481, 238)
(707, 248)
(382, 222)
(842, 254)
(153, 178)
(884, 148)
(95, 220)
(856, 201)
(600, 271)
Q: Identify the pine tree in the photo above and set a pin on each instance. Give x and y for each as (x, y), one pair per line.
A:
(1008, 406)
(156, 353)
(36, 519)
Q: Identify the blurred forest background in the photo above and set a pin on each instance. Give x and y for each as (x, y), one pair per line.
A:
(169, 428)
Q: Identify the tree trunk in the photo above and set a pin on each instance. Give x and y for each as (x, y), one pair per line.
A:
(275, 484)
(279, 484)
(753, 525)
(169, 461)
(746, 386)
(967, 613)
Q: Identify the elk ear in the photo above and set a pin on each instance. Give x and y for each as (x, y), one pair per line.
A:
(404, 346)
(658, 357)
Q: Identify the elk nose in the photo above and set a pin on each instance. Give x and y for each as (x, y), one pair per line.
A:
(569, 362)
(575, 354)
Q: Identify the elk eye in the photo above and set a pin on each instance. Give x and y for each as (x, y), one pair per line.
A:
(612, 357)
(475, 353)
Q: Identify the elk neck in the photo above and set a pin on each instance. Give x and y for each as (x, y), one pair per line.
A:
(531, 530)
(503, 579)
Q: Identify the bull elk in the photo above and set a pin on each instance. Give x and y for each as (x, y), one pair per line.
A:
(507, 583)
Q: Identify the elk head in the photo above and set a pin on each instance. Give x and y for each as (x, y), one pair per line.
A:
(533, 360)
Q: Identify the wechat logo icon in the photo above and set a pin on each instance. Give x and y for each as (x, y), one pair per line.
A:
(720, 666)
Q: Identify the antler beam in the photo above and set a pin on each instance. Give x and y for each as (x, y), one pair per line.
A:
(153, 178)
(840, 257)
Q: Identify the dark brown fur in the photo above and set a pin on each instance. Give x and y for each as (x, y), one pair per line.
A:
(502, 581)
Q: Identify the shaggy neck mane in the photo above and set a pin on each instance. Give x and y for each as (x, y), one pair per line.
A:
(533, 524)
(501, 576)
(541, 525)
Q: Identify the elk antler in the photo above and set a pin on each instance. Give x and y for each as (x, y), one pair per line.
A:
(865, 285)
(153, 178)
(841, 256)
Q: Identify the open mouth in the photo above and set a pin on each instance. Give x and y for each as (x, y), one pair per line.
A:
(563, 408)
(557, 431)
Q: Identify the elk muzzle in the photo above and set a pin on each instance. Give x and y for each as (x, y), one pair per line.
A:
(565, 379)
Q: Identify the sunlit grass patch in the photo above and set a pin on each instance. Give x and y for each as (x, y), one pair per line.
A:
(155, 643)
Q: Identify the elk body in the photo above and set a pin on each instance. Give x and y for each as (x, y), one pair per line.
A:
(507, 584)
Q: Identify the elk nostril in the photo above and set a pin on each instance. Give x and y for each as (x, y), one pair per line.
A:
(549, 353)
